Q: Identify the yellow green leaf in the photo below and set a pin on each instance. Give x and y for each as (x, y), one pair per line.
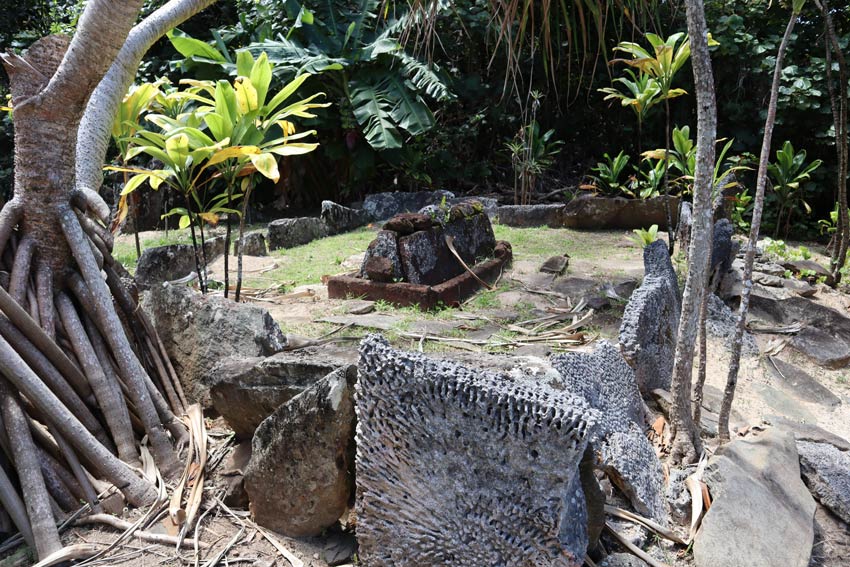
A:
(266, 164)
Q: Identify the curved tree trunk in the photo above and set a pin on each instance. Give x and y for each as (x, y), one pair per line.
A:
(56, 261)
(686, 440)
(758, 207)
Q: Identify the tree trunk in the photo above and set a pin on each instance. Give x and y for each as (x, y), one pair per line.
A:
(758, 206)
(671, 233)
(56, 261)
(686, 440)
(840, 112)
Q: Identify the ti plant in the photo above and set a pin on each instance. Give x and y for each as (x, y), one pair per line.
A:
(644, 237)
(642, 93)
(787, 175)
(532, 153)
(135, 104)
(609, 179)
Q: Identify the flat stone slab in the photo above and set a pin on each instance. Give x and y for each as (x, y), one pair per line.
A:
(820, 346)
(826, 471)
(556, 265)
(801, 384)
(762, 513)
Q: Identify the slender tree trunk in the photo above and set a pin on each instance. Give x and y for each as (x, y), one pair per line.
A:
(758, 206)
(840, 116)
(686, 441)
(245, 199)
(671, 233)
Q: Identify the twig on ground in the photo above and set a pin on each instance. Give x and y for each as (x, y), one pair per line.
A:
(118, 523)
(635, 550)
(657, 528)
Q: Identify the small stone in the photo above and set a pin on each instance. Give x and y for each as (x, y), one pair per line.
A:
(359, 306)
(556, 265)
(767, 279)
(622, 560)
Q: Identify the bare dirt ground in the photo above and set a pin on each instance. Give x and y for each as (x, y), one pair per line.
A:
(293, 293)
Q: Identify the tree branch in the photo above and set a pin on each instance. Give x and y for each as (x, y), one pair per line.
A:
(96, 126)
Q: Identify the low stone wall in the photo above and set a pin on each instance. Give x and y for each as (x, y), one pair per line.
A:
(592, 213)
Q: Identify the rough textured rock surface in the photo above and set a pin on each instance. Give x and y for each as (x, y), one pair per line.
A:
(342, 219)
(441, 452)
(720, 322)
(288, 233)
(651, 321)
(172, 262)
(381, 206)
(723, 249)
(253, 244)
(384, 246)
(761, 512)
(246, 390)
(622, 560)
(299, 480)
(425, 258)
(471, 230)
(408, 223)
(826, 471)
(607, 382)
(198, 331)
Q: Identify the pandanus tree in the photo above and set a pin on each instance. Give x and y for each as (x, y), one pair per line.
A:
(77, 356)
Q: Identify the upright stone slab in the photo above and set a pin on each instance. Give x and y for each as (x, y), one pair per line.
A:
(651, 321)
(606, 381)
(289, 233)
(458, 467)
(342, 219)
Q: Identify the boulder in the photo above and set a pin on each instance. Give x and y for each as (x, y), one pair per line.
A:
(607, 383)
(245, 390)
(470, 230)
(720, 322)
(529, 216)
(826, 471)
(556, 265)
(809, 267)
(253, 244)
(200, 330)
(651, 321)
(342, 219)
(441, 452)
(767, 280)
(299, 479)
(380, 206)
(289, 233)
(382, 262)
(164, 264)
(822, 348)
(761, 512)
(593, 212)
(723, 250)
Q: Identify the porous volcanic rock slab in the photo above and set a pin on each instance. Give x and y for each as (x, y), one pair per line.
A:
(289, 233)
(381, 206)
(820, 346)
(246, 390)
(607, 382)
(651, 321)
(441, 453)
(425, 258)
(761, 512)
(338, 218)
(471, 231)
(299, 480)
(200, 330)
(826, 471)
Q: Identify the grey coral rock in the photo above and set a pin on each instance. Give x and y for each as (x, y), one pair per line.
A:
(459, 467)
(651, 321)
(826, 471)
(607, 382)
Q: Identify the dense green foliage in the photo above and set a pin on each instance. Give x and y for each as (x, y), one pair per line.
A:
(453, 112)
